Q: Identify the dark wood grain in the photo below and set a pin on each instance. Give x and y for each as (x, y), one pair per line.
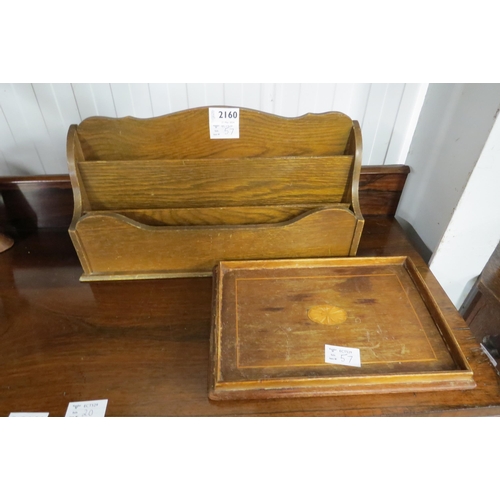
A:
(481, 309)
(47, 201)
(490, 277)
(144, 345)
(483, 302)
(380, 189)
(35, 202)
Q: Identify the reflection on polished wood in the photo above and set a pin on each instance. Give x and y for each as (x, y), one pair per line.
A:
(144, 345)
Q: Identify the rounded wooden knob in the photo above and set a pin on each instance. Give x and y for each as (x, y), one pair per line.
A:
(5, 242)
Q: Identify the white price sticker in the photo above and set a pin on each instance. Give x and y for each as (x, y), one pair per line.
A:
(29, 414)
(87, 408)
(224, 123)
(347, 356)
(490, 357)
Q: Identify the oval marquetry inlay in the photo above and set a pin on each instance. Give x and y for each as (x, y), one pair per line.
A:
(327, 315)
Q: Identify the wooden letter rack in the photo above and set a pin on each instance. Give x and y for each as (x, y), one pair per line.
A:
(158, 198)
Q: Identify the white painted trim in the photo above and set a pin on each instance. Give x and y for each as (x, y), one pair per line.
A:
(474, 230)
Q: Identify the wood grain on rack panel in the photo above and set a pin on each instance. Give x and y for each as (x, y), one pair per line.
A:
(185, 134)
(126, 167)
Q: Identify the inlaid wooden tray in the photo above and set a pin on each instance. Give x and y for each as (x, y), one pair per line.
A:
(278, 327)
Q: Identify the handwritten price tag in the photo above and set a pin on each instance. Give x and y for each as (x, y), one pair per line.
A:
(347, 356)
(224, 123)
(87, 408)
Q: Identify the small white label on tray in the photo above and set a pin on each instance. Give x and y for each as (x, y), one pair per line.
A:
(29, 414)
(347, 356)
(224, 123)
(490, 357)
(87, 408)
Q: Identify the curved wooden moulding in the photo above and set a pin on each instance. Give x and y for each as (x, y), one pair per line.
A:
(157, 197)
(185, 135)
(137, 250)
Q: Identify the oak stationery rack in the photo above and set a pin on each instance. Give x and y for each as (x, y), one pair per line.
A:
(158, 197)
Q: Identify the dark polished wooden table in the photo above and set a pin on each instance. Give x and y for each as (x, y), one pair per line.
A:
(144, 345)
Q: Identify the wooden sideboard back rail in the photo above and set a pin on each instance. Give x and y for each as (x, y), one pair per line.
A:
(157, 197)
(46, 201)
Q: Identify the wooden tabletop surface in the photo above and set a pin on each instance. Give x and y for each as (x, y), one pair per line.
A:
(144, 345)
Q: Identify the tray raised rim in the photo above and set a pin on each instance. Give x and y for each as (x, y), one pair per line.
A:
(288, 387)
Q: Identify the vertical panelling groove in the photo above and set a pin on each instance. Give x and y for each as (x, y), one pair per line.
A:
(366, 105)
(187, 95)
(169, 97)
(377, 127)
(40, 108)
(76, 101)
(32, 141)
(298, 100)
(113, 98)
(134, 111)
(150, 100)
(333, 97)
(8, 125)
(394, 124)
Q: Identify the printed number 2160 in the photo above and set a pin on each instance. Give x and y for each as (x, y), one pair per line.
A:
(228, 114)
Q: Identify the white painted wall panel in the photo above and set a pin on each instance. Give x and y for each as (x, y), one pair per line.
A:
(8, 142)
(406, 122)
(196, 95)
(19, 107)
(323, 100)
(160, 99)
(141, 100)
(34, 118)
(287, 99)
(201, 94)
(103, 99)
(57, 107)
(214, 94)
(122, 99)
(85, 99)
(307, 98)
(251, 95)
(379, 120)
(359, 102)
(452, 129)
(342, 99)
(132, 99)
(267, 97)
(233, 94)
(178, 96)
(474, 229)
(94, 99)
